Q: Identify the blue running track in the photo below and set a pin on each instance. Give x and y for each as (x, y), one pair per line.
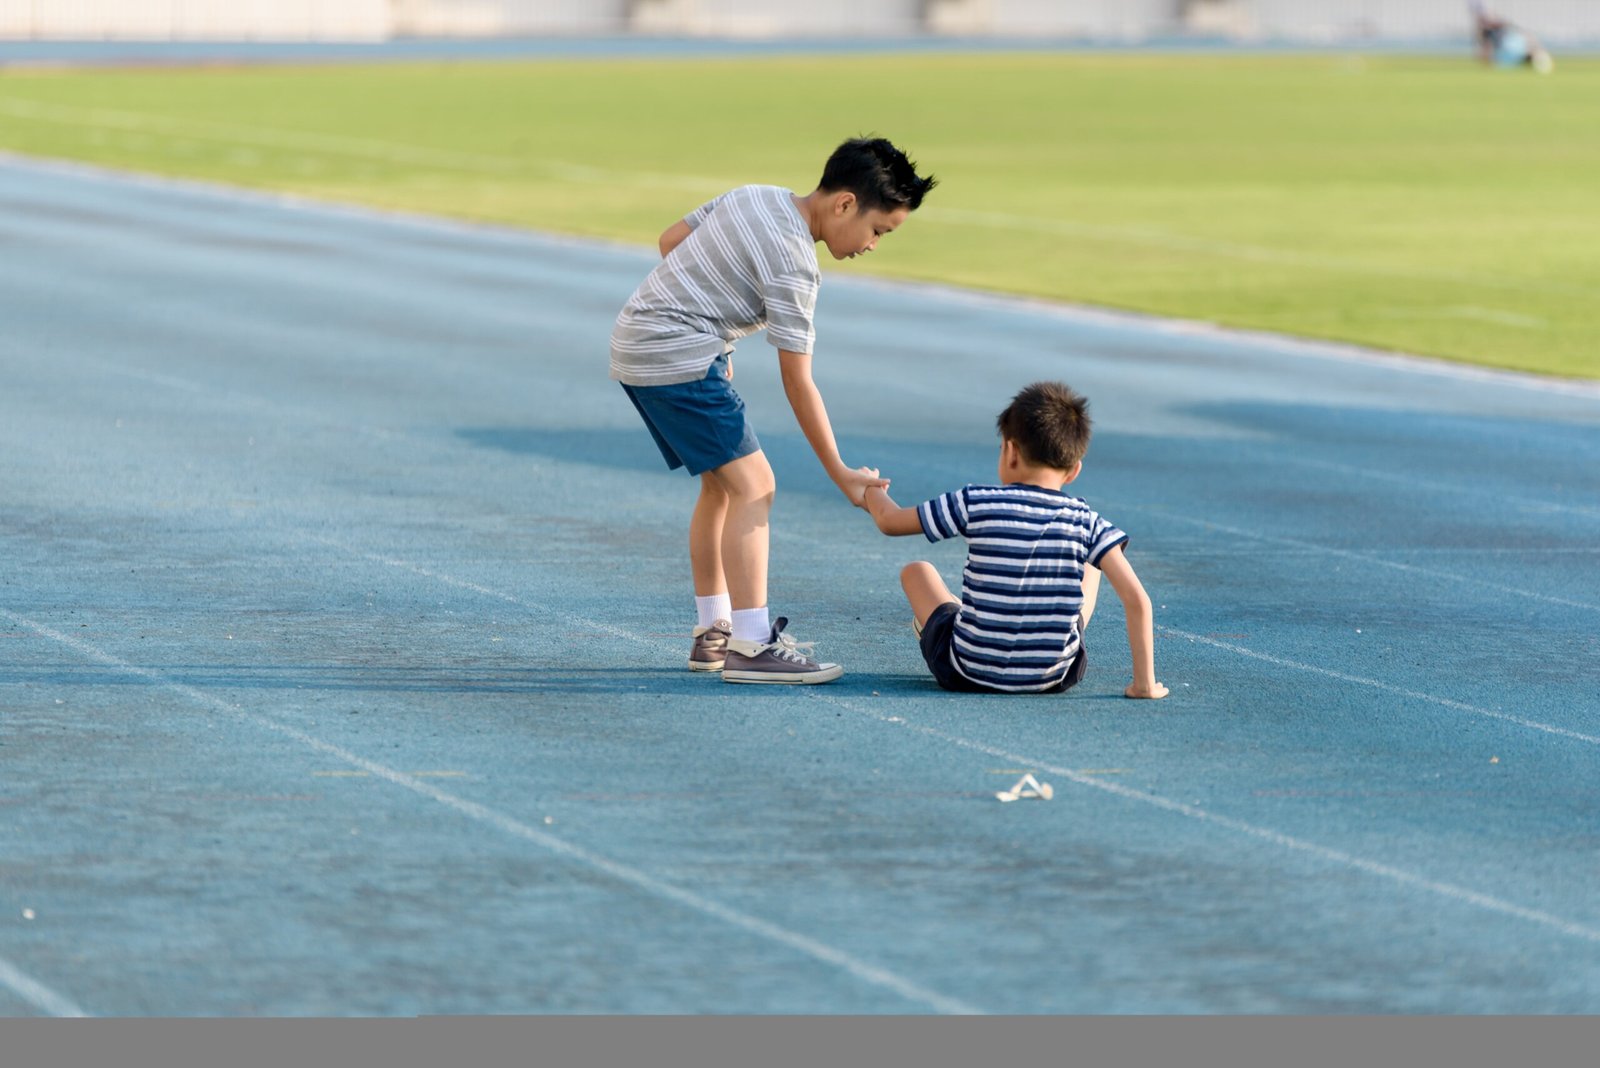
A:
(345, 607)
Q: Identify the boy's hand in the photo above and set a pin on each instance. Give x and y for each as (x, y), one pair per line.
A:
(854, 484)
(1153, 691)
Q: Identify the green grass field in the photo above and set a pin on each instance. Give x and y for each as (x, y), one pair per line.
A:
(1418, 204)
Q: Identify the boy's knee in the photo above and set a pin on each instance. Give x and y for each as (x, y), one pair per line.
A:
(748, 481)
(913, 571)
(760, 489)
(712, 489)
(756, 493)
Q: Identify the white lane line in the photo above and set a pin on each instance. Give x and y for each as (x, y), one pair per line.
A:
(1184, 552)
(1415, 695)
(1366, 558)
(1449, 890)
(36, 993)
(1500, 550)
(472, 810)
(1531, 504)
(1385, 871)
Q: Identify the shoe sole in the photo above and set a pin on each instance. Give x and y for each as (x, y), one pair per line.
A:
(781, 678)
(706, 665)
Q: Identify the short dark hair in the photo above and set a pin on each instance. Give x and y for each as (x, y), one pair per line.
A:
(1049, 423)
(882, 177)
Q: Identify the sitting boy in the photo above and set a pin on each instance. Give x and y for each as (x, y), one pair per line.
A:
(1031, 578)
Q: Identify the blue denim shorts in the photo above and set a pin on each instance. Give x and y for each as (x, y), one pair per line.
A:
(697, 425)
(939, 633)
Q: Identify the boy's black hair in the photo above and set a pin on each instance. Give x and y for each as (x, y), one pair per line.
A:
(881, 176)
(1049, 423)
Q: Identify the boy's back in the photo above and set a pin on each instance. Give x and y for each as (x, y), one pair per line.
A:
(750, 262)
(1034, 561)
(1022, 587)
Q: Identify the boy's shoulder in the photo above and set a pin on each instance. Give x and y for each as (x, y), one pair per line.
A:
(754, 196)
(767, 202)
(1021, 499)
(760, 189)
(765, 219)
(1020, 491)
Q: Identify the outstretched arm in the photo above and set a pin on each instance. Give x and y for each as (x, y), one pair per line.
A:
(890, 517)
(812, 416)
(1141, 623)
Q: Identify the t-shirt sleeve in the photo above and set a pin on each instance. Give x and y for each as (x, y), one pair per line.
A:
(699, 215)
(944, 516)
(791, 300)
(1103, 537)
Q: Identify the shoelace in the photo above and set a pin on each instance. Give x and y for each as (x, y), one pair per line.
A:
(791, 650)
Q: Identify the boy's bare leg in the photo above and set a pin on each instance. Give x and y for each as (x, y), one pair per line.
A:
(925, 590)
(705, 537)
(768, 658)
(749, 486)
(1091, 594)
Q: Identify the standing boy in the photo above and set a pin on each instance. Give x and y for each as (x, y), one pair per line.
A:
(1030, 582)
(741, 262)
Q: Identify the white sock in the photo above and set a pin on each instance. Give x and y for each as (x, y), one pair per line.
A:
(711, 609)
(751, 624)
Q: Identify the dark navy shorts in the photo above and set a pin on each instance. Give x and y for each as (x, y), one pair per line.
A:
(939, 632)
(697, 425)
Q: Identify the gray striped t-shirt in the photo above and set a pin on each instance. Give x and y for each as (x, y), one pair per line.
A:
(749, 262)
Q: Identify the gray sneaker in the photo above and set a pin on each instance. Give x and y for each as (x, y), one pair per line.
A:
(710, 646)
(780, 659)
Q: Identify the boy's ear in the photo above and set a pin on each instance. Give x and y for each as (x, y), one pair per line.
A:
(843, 202)
(1077, 469)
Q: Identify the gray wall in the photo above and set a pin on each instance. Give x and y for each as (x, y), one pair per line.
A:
(1550, 20)
(1554, 21)
(178, 20)
(1293, 20)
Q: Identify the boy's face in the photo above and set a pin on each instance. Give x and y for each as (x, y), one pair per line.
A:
(849, 231)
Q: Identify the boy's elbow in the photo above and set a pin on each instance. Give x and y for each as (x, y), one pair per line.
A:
(672, 237)
(1135, 601)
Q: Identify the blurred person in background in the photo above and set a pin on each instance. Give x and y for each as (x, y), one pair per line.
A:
(1502, 43)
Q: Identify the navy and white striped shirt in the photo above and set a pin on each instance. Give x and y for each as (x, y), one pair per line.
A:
(1022, 588)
